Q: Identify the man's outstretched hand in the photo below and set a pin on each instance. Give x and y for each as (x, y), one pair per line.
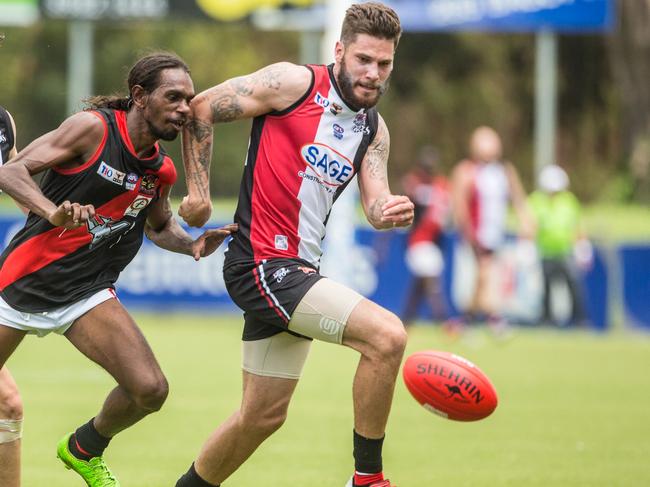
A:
(211, 239)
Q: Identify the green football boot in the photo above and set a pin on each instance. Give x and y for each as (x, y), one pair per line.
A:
(95, 472)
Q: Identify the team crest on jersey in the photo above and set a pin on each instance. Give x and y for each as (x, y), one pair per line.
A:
(103, 228)
(139, 203)
(148, 184)
(331, 168)
(321, 100)
(111, 174)
(338, 131)
(359, 124)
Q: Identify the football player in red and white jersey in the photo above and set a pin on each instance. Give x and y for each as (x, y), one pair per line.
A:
(314, 128)
(483, 188)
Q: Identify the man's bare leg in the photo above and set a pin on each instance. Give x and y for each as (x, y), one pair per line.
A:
(108, 336)
(11, 411)
(263, 410)
(381, 339)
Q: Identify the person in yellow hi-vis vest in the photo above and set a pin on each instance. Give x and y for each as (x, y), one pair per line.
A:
(561, 241)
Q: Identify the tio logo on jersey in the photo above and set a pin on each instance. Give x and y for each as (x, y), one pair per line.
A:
(332, 168)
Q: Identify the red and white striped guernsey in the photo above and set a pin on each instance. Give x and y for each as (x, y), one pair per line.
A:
(299, 161)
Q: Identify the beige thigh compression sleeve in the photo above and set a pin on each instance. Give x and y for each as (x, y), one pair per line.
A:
(324, 311)
(282, 355)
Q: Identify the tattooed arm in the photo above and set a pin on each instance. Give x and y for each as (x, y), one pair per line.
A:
(383, 209)
(274, 87)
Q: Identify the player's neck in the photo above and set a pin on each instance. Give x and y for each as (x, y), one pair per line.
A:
(141, 138)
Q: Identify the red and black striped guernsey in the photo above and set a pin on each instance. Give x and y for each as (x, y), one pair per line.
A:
(46, 267)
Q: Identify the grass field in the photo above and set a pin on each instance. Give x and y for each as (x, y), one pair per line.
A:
(574, 411)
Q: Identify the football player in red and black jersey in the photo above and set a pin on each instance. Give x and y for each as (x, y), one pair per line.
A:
(106, 183)
(11, 406)
(314, 128)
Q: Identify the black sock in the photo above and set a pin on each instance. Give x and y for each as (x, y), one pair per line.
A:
(367, 454)
(87, 443)
(192, 479)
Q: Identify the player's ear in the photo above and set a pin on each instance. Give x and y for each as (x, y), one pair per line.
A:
(339, 50)
(139, 96)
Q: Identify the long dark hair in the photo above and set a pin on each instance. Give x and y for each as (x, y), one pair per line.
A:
(146, 73)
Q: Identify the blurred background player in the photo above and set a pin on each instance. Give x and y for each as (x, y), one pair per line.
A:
(430, 193)
(11, 406)
(109, 159)
(314, 127)
(561, 241)
(483, 187)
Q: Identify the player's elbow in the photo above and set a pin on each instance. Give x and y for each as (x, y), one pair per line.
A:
(200, 108)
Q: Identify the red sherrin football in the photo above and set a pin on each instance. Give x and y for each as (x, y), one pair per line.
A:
(449, 385)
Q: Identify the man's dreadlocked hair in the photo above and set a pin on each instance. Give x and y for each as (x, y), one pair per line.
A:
(146, 73)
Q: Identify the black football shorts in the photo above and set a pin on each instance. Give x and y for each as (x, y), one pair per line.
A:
(268, 293)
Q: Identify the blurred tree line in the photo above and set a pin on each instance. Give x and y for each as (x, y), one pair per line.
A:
(443, 86)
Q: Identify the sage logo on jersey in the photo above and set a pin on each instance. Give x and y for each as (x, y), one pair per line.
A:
(3, 139)
(331, 168)
(111, 174)
(321, 100)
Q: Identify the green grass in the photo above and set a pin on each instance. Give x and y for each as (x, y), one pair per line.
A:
(574, 411)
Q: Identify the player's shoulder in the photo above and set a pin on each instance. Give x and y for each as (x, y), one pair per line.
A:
(86, 121)
(285, 73)
(83, 127)
(167, 172)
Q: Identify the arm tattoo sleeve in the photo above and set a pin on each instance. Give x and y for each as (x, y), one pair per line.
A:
(243, 86)
(377, 156)
(199, 130)
(270, 78)
(226, 108)
(375, 211)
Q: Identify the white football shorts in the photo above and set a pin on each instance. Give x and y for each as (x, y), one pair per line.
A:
(57, 320)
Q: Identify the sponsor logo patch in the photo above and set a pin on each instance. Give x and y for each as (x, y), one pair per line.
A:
(280, 273)
(307, 270)
(331, 168)
(321, 100)
(139, 203)
(338, 131)
(336, 109)
(111, 174)
(281, 242)
(131, 181)
(329, 326)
